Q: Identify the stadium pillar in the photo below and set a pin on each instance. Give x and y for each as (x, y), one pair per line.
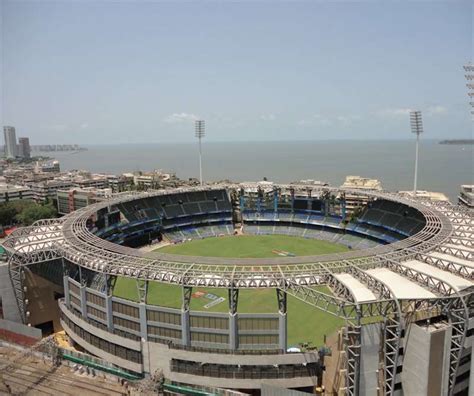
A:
(83, 294)
(343, 208)
(309, 202)
(292, 193)
(185, 322)
(82, 290)
(242, 203)
(282, 319)
(142, 292)
(106, 217)
(108, 302)
(67, 297)
(143, 325)
(233, 318)
(275, 200)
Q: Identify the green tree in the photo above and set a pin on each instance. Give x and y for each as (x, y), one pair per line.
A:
(21, 204)
(36, 212)
(7, 214)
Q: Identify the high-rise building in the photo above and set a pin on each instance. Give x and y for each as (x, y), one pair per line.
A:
(24, 150)
(10, 141)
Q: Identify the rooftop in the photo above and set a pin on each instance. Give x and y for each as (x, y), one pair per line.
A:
(363, 183)
(431, 195)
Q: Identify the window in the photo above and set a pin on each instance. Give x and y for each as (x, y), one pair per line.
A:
(164, 317)
(164, 332)
(75, 301)
(209, 322)
(125, 309)
(95, 299)
(97, 313)
(258, 323)
(256, 339)
(126, 323)
(74, 288)
(106, 346)
(210, 337)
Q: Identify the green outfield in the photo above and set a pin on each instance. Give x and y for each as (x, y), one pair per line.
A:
(305, 323)
(254, 246)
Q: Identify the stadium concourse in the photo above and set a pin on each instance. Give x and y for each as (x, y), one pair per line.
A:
(404, 287)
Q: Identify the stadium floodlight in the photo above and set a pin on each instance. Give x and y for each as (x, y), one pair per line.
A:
(200, 129)
(416, 127)
(469, 69)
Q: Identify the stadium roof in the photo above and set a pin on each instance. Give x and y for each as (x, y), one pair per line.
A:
(447, 227)
(360, 291)
(402, 288)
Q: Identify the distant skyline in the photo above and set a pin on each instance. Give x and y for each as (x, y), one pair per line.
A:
(100, 72)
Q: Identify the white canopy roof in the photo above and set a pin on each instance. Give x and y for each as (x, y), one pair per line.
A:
(401, 287)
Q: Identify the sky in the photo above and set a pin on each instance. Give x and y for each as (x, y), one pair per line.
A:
(101, 72)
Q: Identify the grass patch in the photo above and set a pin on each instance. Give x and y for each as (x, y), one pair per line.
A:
(309, 324)
(305, 323)
(253, 246)
(126, 288)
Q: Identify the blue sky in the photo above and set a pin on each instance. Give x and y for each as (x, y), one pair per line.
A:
(134, 72)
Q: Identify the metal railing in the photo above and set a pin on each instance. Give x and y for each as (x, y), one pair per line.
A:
(245, 372)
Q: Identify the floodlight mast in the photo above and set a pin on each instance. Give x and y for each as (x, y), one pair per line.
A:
(416, 127)
(469, 69)
(200, 130)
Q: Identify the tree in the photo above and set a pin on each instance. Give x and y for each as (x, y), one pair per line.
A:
(9, 211)
(7, 214)
(36, 212)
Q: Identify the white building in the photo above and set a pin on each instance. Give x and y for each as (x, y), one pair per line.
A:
(48, 189)
(359, 183)
(48, 167)
(422, 194)
(362, 183)
(10, 193)
(10, 141)
(77, 198)
(150, 179)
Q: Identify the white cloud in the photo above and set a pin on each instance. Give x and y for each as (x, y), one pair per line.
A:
(405, 111)
(84, 125)
(325, 121)
(268, 117)
(315, 120)
(178, 118)
(436, 110)
(394, 112)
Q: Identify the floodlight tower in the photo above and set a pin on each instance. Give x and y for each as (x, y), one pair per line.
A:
(200, 128)
(416, 127)
(469, 69)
